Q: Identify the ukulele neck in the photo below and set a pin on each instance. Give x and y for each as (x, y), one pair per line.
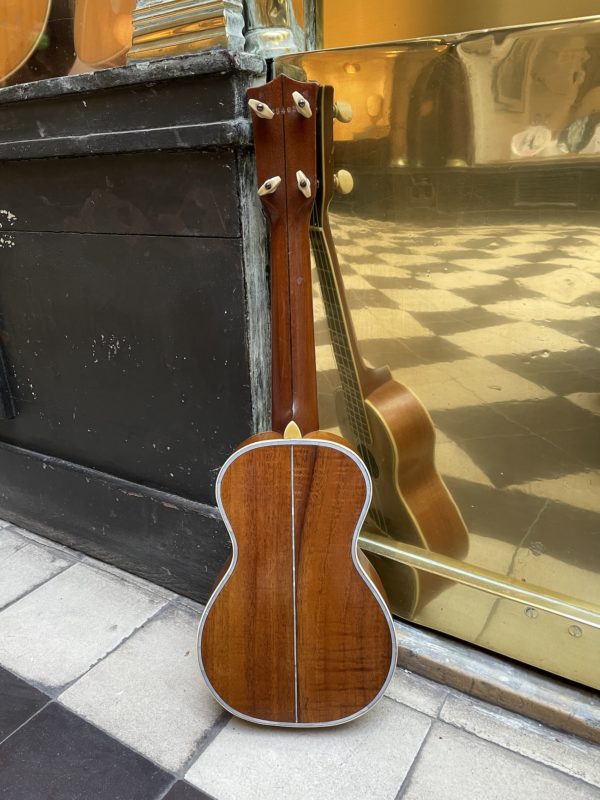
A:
(284, 123)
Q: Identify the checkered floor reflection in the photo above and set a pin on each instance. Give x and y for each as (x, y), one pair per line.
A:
(496, 329)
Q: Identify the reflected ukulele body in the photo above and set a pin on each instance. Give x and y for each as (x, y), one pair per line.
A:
(296, 633)
(389, 426)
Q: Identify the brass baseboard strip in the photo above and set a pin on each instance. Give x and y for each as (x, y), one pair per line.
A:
(493, 678)
(500, 681)
(482, 580)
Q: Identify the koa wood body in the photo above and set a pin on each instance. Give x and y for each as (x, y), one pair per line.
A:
(386, 422)
(297, 632)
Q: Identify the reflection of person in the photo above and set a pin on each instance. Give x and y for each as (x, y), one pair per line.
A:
(582, 135)
(557, 75)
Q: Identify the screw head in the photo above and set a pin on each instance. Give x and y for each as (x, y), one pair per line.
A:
(303, 184)
(268, 185)
(260, 107)
(301, 103)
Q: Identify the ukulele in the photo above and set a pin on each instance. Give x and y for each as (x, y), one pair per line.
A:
(297, 632)
(389, 426)
(22, 23)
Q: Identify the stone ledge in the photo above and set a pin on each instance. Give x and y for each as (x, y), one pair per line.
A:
(209, 62)
(555, 702)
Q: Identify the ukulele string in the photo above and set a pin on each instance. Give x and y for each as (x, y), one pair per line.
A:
(353, 399)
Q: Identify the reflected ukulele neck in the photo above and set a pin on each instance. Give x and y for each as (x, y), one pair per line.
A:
(354, 374)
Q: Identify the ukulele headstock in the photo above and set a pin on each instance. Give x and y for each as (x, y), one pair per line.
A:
(325, 174)
(284, 122)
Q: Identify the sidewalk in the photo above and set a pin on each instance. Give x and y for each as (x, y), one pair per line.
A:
(101, 699)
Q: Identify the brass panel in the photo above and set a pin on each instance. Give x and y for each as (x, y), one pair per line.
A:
(355, 22)
(470, 253)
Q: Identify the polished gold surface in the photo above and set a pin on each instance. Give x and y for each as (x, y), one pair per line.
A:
(352, 22)
(470, 250)
(176, 27)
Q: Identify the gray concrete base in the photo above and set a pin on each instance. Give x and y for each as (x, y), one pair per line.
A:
(120, 653)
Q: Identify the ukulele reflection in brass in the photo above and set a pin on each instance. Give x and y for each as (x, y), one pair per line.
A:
(297, 632)
(386, 422)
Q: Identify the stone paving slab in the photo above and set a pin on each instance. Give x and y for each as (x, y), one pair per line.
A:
(147, 586)
(10, 542)
(364, 759)
(566, 753)
(48, 544)
(54, 634)
(149, 692)
(454, 765)
(23, 566)
(122, 655)
(43, 542)
(418, 693)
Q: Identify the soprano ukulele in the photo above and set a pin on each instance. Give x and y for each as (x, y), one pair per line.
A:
(387, 423)
(296, 632)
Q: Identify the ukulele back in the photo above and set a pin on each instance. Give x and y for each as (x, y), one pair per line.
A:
(296, 633)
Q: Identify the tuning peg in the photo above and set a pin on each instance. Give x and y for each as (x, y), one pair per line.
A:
(343, 181)
(342, 111)
(261, 109)
(303, 183)
(269, 186)
(302, 105)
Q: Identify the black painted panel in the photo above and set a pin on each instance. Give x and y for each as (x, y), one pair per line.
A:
(168, 540)
(127, 354)
(168, 104)
(229, 133)
(188, 193)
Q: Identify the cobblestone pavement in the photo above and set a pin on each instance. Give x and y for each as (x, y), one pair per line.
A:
(101, 698)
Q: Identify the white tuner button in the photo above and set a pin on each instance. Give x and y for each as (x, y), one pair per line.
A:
(343, 181)
(302, 105)
(342, 111)
(303, 183)
(269, 186)
(261, 109)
